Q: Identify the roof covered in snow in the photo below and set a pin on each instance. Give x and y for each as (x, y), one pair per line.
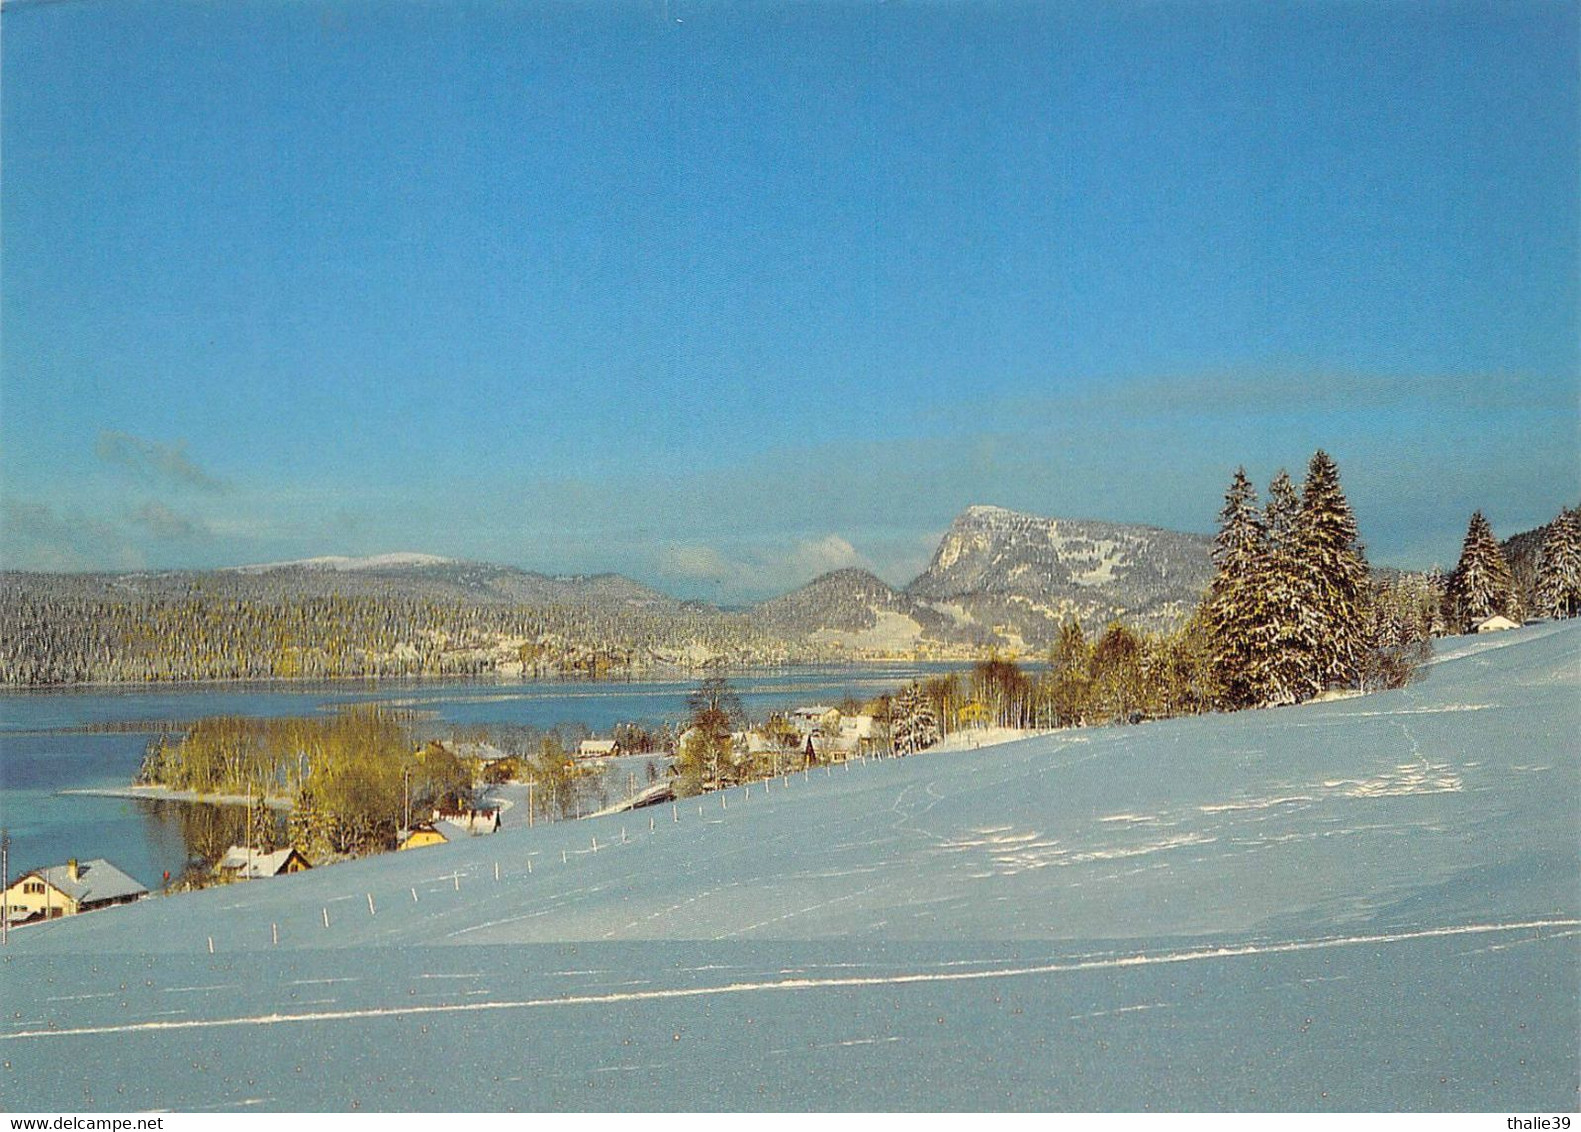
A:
(97, 881)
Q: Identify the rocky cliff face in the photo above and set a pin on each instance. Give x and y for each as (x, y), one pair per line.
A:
(1009, 580)
(1028, 573)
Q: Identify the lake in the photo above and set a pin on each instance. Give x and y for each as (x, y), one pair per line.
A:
(49, 741)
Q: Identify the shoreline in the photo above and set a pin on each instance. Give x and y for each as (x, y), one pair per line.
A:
(166, 794)
(668, 673)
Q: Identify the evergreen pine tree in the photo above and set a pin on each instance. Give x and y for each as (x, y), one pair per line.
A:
(1337, 571)
(1289, 594)
(1236, 616)
(914, 725)
(926, 730)
(1482, 584)
(1559, 570)
(260, 826)
(305, 827)
(903, 721)
(1436, 602)
(1070, 675)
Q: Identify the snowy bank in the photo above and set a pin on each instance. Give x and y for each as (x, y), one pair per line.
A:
(1365, 904)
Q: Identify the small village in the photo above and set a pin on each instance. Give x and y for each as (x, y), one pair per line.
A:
(802, 737)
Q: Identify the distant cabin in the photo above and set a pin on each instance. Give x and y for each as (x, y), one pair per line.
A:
(819, 718)
(1496, 624)
(597, 749)
(242, 862)
(830, 748)
(66, 890)
(466, 821)
(420, 836)
(860, 727)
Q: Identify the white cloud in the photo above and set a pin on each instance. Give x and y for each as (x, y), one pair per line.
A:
(819, 556)
(752, 573)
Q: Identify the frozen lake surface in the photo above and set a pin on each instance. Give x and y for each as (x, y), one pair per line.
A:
(1368, 904)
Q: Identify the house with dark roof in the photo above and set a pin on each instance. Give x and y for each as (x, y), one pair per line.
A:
(242, 862)
(467, 821)
(65, 890)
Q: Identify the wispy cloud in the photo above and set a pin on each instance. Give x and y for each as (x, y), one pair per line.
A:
(35, 537)
(165, 524)
(153, 461)
(1274, 391)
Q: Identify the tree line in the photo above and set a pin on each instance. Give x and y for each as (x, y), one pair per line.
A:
(1293, 610)
(54, 631)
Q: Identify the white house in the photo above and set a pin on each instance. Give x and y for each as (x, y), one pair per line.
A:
(463, 822)
(65, 890)
(815, 718)
(1496, 624)
(597, 749)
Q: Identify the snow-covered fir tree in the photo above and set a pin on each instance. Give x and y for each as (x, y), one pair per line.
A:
(1400, 633)
(306, 826)
(1289, 597)
(260, 825)
(927, 730)
(1559, 568)
(1337, 572)
(1482, 584)
(914, 726)
(1237, 614)
(1437, 602)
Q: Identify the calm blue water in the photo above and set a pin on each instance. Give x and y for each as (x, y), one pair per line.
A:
(43, 750)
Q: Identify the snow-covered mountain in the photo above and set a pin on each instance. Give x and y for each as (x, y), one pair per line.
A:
(1009, 580)
(1361, 905)
(394, 561)
(1039, 570)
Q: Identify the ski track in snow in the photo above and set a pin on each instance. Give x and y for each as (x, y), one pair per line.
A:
(1206, 954)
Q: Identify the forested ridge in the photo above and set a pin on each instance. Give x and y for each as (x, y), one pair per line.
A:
(55, 633)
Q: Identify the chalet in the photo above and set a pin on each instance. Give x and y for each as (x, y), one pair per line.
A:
(818, 718)
(242, 862)
(467, 821)
(420, 836)
(597, 749)
(859, 730)
(66, 890)
(1496, 624)
(829, 748)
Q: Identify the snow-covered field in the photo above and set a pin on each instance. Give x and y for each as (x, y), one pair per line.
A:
(1372, 903)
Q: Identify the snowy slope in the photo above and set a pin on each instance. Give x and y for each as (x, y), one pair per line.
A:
(1371, 903)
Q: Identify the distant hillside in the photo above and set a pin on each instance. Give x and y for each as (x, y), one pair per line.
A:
(411, 577)
(396, 616)
(855, 610)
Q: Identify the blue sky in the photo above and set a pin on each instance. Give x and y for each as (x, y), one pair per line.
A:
(723, 295)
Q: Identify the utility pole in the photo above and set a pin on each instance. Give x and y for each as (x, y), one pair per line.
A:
(530, 783)
(5, 894)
